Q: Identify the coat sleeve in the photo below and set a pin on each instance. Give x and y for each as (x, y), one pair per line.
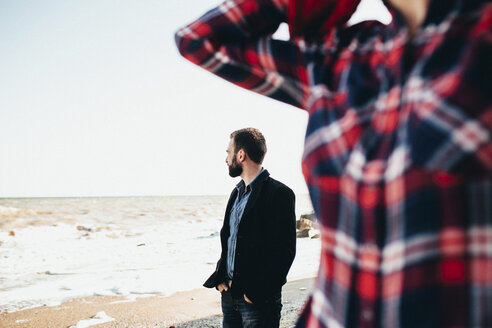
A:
(282, 250)
(234, 42)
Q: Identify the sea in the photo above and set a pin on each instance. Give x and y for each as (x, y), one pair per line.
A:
(56, 249)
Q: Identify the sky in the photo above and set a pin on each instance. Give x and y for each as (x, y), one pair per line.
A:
(96, 101)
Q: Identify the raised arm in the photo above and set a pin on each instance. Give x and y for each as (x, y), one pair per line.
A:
(234, 42)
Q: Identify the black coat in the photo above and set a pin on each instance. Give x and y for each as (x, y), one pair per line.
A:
(266, 241)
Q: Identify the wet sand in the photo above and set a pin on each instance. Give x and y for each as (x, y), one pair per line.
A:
(196, 308)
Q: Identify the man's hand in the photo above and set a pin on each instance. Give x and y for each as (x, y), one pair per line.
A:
(247, 299)
(222, 287)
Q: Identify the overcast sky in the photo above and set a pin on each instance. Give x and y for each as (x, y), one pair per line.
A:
(96, 101)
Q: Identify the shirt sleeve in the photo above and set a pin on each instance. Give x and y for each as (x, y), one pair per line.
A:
(234, 42)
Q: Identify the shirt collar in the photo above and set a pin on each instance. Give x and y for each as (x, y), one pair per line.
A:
(240, 185)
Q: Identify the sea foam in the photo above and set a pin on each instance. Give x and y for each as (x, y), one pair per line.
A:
(132, 247)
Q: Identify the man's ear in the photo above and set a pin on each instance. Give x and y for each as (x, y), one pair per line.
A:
(241, 155)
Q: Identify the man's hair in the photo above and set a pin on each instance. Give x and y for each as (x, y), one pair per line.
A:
(252, 142)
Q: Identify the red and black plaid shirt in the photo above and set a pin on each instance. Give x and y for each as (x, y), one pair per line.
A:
(398, 154)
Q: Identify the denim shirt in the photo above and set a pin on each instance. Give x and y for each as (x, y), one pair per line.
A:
(234, 220)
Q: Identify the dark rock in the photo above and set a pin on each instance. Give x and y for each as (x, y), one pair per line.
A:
(212, 235)
(82, 228)
(303, 233)
(309, 216)
(303, 224)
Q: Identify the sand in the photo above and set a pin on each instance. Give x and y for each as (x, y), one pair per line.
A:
(197, 308)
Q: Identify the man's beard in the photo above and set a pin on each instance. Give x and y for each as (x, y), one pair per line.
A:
(235, 169)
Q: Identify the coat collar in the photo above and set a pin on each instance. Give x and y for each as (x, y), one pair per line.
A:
(240, 185)
(255, 192)
(259, 181)
(262, 177)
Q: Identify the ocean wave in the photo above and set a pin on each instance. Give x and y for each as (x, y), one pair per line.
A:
(14, 212)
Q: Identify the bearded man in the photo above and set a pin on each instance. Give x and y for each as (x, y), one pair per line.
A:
(258, 238)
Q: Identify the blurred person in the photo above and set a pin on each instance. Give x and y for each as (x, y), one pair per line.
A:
(397, 156)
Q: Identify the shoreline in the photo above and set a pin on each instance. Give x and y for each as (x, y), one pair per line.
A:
(57, 250)
(195, 308)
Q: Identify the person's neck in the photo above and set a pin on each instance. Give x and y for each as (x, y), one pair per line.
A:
(414, 12)
(250, 173)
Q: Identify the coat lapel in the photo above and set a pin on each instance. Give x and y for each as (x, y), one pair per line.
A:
(232, 198)
(256, 191)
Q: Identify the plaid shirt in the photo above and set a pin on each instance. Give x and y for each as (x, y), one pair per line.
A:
(398, 154)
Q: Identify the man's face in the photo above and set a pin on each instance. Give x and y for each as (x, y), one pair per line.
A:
(235, 169)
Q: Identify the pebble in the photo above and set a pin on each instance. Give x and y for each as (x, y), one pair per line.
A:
(82, 228)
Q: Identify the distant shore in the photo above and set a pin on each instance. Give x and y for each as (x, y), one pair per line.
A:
(190, 309)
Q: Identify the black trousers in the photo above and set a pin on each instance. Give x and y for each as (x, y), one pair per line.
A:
(240, 314)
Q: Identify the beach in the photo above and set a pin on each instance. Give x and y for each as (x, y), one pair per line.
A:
(196, 308)
(68, 259)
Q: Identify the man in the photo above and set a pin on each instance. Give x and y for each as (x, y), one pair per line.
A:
(398, 151)
(258, 238)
